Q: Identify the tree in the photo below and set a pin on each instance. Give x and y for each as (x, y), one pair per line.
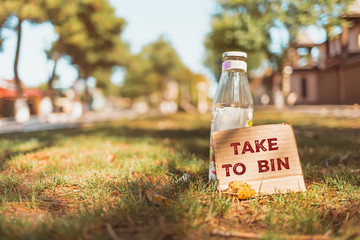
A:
(245, 25)
(140, 79)
(150, 70)
(103, 48)
(23, 10)
(154, 68)
(89, 33)
(62, 15)
(165, 61)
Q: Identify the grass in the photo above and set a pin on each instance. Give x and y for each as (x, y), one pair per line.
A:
(90, 183)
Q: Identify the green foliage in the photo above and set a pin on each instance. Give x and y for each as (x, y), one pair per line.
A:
(140, 78)
(150, 70)
(88, 32)
(239, 27)
(24, 9)
(244, 25)
(164, 59)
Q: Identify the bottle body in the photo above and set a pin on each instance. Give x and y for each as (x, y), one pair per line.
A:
(232, 105)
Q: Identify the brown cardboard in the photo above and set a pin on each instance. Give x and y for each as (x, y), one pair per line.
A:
(270, 164)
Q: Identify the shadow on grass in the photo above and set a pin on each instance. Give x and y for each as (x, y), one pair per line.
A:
(49, 138)
(318, 146)
(186, 143)
(9, 152)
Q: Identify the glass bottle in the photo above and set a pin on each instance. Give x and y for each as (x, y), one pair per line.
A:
(232, 105)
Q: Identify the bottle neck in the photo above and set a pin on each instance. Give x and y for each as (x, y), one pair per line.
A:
(233, 89)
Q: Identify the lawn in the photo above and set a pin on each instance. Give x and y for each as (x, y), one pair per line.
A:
(92, 183)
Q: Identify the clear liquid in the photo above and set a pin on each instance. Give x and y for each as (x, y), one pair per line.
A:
(230, 117)
(227, 117)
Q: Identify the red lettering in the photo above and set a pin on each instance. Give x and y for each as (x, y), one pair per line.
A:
(272, 162)
(284, 164)
(263, 166)
(235, 145)
(242, 171)
(227, 166)
(272, 144)
(247, 147)
(260, 145)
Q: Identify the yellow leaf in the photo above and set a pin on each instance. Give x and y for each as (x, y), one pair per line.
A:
(240, 189)
(157, 198)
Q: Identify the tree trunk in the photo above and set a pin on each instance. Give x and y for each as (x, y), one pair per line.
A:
(50, 89)
(16, 63)
(86, 97)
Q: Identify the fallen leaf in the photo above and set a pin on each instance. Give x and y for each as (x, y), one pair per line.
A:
(157, 198)
(240, 189)
(109, 157)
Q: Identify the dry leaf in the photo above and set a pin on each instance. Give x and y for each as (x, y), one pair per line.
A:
(242, 190)
(157, 198)
(109, 157)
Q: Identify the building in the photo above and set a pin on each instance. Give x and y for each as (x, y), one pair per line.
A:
(333, 77)
(8, 97)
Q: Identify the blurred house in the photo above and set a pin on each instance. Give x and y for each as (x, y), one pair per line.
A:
(8, 97)
(333, 76)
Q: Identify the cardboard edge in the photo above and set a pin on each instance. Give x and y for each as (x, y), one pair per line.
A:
(276, 124)
(297, 151)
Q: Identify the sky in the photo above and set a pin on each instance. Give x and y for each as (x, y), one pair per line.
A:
(183, 23)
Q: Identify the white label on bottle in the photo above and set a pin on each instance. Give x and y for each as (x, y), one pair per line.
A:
(234, 65)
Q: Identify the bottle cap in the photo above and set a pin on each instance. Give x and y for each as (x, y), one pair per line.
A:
(235, 54)
(238, 63)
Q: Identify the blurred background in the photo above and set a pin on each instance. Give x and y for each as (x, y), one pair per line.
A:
(64, 61)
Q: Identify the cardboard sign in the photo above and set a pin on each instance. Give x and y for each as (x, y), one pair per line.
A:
(265, 157)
